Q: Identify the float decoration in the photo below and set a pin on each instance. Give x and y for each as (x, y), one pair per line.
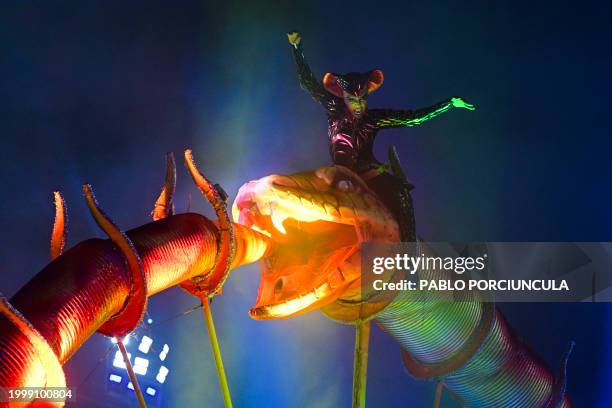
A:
(205, 287)
(123, 323)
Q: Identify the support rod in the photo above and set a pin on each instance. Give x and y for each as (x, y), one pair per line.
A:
(438, 399)
(214, 343)
(130, 370)
(360, 366)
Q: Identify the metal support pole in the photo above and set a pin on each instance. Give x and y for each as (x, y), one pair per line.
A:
(360, 366)
(130, 370)
(214, 343)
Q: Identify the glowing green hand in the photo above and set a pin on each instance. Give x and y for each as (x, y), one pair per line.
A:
(460, 103)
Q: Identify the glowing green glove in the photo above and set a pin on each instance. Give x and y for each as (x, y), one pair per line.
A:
(460, 103)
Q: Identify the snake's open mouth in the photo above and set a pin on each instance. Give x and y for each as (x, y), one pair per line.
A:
(317, 221)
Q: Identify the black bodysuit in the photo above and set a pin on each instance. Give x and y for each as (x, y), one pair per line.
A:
(354, 137)
(351, 143)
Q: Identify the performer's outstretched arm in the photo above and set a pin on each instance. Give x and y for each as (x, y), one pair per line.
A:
(385, 118)
(308, 81)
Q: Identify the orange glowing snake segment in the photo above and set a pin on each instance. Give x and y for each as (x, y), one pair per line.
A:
(317, 221)
(135, 305)
(89, 285)
(164, 204)
(49, 370)
(58, 235)
(211, 283)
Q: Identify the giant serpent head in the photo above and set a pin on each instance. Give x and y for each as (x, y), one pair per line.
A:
(317, 221)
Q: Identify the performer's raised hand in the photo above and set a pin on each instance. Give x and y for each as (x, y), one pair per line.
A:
(294, 38)
(460, 103)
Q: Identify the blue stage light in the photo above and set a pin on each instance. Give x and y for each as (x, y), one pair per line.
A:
(141, 365)
(161, 375)
(151, 372)
(115, 378)
(164, 352)
(145, 344)
(118, 361)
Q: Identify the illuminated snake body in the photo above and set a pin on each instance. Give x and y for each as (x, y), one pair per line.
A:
(467, 345)
(306, 230)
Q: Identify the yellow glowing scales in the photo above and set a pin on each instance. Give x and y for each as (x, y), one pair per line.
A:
(315, 262)
(317, 232)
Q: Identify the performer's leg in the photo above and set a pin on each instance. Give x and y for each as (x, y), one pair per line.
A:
(395, 194)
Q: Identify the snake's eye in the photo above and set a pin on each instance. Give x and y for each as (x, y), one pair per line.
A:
(345, 186)
(278, 286)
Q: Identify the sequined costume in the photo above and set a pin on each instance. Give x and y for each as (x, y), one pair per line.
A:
(351, 138)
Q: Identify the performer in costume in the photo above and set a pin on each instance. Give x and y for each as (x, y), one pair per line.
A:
(352, 129)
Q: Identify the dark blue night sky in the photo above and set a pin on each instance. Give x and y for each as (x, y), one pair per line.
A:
(99, 92)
